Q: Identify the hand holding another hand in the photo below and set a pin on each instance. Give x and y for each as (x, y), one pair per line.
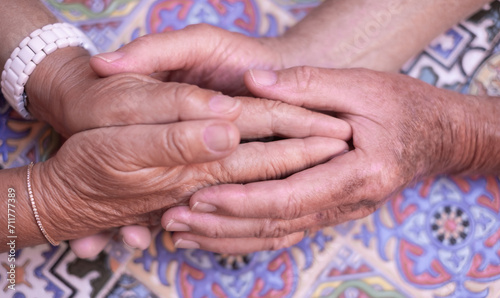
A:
(162, 165)
(403, 129)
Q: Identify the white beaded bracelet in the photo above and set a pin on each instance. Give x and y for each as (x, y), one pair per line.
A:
(33, 206)
(30, 52)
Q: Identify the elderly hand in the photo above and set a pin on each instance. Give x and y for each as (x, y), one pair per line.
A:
(403, 129)
(97, 178)
(65, 92)
(203, 55)
(259, 118)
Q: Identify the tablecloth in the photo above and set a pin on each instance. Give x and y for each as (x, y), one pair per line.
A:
(437, 238)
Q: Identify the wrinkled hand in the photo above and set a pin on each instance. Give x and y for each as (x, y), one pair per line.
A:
(66, 93)
(202, 55)
(259, 118)
(403, 129)
(115, 176)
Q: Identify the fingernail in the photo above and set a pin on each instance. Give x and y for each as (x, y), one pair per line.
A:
(110, 57)
(203, 207)
(186, 244)
(173, 226)
(217, 137)
(263, 77)
(223, 104)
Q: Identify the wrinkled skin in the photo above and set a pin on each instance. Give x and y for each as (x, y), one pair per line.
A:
(66, 92)
(201, 54)
(403, 129)
(385, 159)
(115, 176)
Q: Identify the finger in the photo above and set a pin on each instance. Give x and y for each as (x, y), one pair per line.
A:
(256, 161)
(182, 219)
(136, 236)
(234, 245)
(314, 88)
(262, 118)
(91, 246)
(140, 146)
(133, 99)
(180, 49)
(345, 183)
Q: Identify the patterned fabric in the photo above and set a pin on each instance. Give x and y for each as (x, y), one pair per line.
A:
(438, 238)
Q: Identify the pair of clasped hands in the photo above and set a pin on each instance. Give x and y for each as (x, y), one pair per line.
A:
(152, 139)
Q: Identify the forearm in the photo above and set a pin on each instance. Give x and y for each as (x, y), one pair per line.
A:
(18, 18)
(380, 35)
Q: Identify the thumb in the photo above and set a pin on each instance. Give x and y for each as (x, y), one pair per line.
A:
(158, 52)
(310, 87)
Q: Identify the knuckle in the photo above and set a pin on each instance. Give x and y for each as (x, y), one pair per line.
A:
(306, 78)
(121, 104)
(292, 208)
(270, 228)
(215, 232)
(186, 95)
(279, 111)
(177, 147)
(330, 216)
(280, 243)
(144, 41)
(219, 173)
(274, 170)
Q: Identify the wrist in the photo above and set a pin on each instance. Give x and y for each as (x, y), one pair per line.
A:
(60, 213)
(483, 138)
(472, 142)
(23, 225)
(49, 85)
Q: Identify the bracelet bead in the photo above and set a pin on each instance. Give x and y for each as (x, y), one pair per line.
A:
(35, 210)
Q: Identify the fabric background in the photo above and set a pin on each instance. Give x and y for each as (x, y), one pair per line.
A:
(439, 238)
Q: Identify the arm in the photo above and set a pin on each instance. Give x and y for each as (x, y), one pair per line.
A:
(379, 35)
(18, 19)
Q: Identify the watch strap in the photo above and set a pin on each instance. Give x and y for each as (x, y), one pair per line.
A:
(30, 52)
